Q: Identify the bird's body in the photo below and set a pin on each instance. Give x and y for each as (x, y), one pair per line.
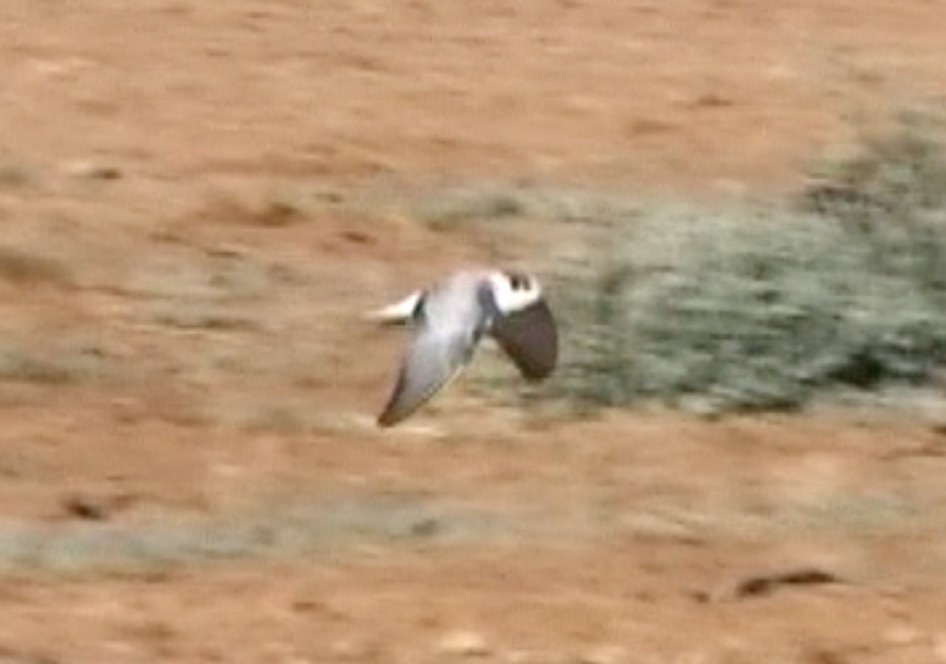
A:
(451, 317)
(456, 304)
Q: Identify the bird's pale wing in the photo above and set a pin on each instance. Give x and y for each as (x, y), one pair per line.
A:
(433, 359)
(530, 338)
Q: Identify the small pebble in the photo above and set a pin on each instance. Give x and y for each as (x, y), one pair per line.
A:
(91, 170)
(464, 643)
(525, 657)
(901, 635)
(604, 655)
(939, 648)
(353, 649)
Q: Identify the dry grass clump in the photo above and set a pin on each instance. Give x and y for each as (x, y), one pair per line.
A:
(70, 361)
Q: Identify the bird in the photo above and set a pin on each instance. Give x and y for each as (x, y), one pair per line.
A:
(449, 319)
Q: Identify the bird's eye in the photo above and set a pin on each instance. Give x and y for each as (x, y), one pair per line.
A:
(518, 281)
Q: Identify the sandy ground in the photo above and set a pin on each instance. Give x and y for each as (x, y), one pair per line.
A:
(190, 229)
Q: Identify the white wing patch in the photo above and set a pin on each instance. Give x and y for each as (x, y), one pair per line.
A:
(399, 312)
(514, 292)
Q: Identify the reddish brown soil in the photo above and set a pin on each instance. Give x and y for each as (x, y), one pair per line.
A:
(189, 237)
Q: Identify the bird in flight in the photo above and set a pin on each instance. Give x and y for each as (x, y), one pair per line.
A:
(449, 319)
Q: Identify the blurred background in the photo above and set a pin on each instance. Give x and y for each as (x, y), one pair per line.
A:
(738, 212)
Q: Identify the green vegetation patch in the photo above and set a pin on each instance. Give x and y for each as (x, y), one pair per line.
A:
(843, 288)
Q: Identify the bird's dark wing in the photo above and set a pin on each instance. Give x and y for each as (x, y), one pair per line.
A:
(530, 338)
